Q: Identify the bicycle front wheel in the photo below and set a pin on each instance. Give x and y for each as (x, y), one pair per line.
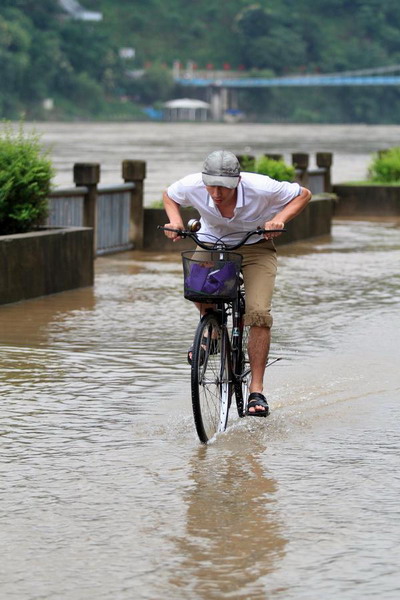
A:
(211, 378)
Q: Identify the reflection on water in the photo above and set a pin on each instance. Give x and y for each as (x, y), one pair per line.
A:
(232, 536)
(106, 492)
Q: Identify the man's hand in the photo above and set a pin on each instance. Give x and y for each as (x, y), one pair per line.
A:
(175, 237)
(273, 225)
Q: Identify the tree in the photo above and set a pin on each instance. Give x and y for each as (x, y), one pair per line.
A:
(269, 40)
(156, 85)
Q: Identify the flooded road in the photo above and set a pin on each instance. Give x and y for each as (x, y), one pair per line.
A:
(106, 493)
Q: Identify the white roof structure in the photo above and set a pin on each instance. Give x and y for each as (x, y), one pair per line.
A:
(187, 103)
(187, 109)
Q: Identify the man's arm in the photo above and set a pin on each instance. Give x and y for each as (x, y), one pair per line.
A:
(289, 212)
(173, 211)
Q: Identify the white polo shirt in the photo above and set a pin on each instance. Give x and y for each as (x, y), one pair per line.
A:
(259, 199)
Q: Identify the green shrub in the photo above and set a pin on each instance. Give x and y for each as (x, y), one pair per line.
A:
(25, 178)
(277, 169)
(247, 163)
(385, 167)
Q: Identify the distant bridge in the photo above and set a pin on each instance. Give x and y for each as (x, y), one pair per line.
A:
(300, 81)
(222, 86)
(372, 76)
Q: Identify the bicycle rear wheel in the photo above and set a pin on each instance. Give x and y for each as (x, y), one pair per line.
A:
(211, 378)
(241, 362)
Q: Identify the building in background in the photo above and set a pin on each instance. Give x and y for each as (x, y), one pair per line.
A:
(186, 109)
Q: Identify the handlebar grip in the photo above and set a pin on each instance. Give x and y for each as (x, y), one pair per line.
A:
(178, 231)
(168, 228)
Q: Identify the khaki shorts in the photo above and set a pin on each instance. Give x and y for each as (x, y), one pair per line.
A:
(259, 267)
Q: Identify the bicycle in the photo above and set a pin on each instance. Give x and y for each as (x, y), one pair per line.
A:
(219, 363)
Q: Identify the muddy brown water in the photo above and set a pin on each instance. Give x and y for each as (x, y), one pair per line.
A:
(106, 493)
(172, 150)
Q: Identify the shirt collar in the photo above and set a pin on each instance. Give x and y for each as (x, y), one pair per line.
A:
(240, 196)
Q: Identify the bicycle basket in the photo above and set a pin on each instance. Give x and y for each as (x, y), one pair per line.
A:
(210, 276)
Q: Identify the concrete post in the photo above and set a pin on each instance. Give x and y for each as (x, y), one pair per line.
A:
(88, 175)
(301, 161)
(135, 171)
(324, 161)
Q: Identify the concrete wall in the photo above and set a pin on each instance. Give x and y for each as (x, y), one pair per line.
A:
(367, 200)
(45, 262)
(314, 221)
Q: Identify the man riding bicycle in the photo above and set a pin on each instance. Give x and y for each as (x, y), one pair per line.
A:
(231, 201)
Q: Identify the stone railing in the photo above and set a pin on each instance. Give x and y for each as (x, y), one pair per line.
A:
(114, 212)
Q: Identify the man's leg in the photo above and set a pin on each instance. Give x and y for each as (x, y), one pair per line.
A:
(258, 348)
(259, 270)
(203, 308)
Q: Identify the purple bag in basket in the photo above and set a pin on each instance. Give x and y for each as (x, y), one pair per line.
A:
(217, 280)
(197, 277)
(207, 281)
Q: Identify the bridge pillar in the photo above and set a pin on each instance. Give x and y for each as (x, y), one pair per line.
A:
(219, 102)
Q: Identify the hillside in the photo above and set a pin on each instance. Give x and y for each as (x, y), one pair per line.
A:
(280, 35)
(55, 66)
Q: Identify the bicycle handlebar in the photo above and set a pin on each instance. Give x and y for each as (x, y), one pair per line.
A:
(184, 233)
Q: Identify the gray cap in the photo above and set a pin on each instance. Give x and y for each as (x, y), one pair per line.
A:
(221, 168)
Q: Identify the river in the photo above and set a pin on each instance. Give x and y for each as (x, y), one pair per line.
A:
(172, 150)
(106, 492)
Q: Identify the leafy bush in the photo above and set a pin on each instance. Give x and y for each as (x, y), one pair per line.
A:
(277, 169)
(385, 167)
(247, 163)
(25, 178)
